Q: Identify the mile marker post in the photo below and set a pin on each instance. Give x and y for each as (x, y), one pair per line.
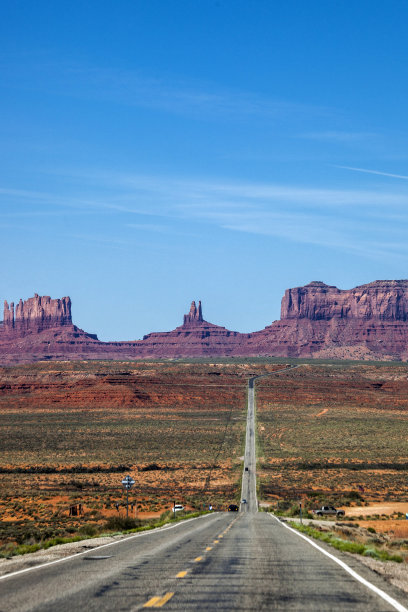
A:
(128, 483)
(300, 511)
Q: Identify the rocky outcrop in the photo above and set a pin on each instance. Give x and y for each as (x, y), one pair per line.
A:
(41, 328)
(194, 316)
(36, 314)
(196, 337)
(318, 320)
(383, 300)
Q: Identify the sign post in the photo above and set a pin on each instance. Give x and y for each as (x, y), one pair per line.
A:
(127, 483)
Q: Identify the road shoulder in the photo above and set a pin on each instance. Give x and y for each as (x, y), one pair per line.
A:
(63, 551)
(390, 576)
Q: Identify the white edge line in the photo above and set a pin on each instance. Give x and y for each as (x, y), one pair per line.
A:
(90, 551)
(393, 602)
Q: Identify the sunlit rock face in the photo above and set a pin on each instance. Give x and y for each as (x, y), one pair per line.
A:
(384, 300)
(195, 316)
(36, 314)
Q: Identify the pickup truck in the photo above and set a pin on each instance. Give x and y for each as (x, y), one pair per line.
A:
(328, 511)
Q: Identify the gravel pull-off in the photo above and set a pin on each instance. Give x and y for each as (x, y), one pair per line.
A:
(21, 562)
(395, 573)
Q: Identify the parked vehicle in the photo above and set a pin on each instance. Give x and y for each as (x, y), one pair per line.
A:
(328, 511)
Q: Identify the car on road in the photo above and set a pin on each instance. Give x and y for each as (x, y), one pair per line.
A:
(178, 508)
(244, 501)
(232, 508)
(328, 511)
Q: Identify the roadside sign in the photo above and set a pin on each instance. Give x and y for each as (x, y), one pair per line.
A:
(128, 482)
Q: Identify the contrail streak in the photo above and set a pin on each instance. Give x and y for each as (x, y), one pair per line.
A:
(399, 176)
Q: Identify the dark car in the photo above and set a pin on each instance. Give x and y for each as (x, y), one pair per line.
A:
(232, 508)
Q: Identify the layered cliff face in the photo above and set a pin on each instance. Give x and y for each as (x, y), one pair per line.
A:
(36, 314)
(41, 328)
(384, 300)
(318, 320)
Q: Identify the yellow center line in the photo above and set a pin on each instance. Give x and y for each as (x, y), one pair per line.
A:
(198, 559)
(209, 548)
(164, 599)
(157, 601)
(216, 541)
(220, 536)
(181, 574)
(152, 602)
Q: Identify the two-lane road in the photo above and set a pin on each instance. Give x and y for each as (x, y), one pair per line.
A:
(248, 487)
(222, 561)
(249, 501)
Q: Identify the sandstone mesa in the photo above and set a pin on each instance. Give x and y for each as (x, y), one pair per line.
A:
(317, 320)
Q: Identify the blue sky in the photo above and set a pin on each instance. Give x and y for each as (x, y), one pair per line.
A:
(154, 152)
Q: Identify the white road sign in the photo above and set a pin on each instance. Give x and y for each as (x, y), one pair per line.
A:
(128, 482)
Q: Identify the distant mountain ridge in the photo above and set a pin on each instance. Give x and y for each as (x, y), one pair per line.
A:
(317, 320)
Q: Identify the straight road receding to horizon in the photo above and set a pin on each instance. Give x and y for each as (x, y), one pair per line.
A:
(222, 561)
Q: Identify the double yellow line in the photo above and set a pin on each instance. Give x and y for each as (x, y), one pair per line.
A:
(159, 601)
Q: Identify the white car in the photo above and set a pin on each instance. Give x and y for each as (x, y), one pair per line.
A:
(178, 508)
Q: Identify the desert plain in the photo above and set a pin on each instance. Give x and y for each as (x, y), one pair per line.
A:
(328, 432)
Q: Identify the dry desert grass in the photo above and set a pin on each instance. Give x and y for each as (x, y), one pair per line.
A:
(71, 431)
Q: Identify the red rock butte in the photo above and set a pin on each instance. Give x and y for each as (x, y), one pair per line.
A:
(317, 320)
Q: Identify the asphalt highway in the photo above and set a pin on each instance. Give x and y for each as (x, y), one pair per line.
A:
(222, 561)
(249, 502)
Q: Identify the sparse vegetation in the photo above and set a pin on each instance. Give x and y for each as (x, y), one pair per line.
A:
(348, 545)
(328, 433)
(113, 526)
(334, 431)
(70, 431)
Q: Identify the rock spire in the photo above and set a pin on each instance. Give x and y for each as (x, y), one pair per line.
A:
(195, 315)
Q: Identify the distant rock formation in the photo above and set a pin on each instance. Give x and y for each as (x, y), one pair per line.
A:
(194, 316)
(317, 320)
(36, 314)
(195, 338)
(384, 300)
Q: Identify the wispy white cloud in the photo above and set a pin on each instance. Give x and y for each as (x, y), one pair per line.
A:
(201, 99)
(378, 172)
(182, 192)
(370, 223)
(178, 96)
